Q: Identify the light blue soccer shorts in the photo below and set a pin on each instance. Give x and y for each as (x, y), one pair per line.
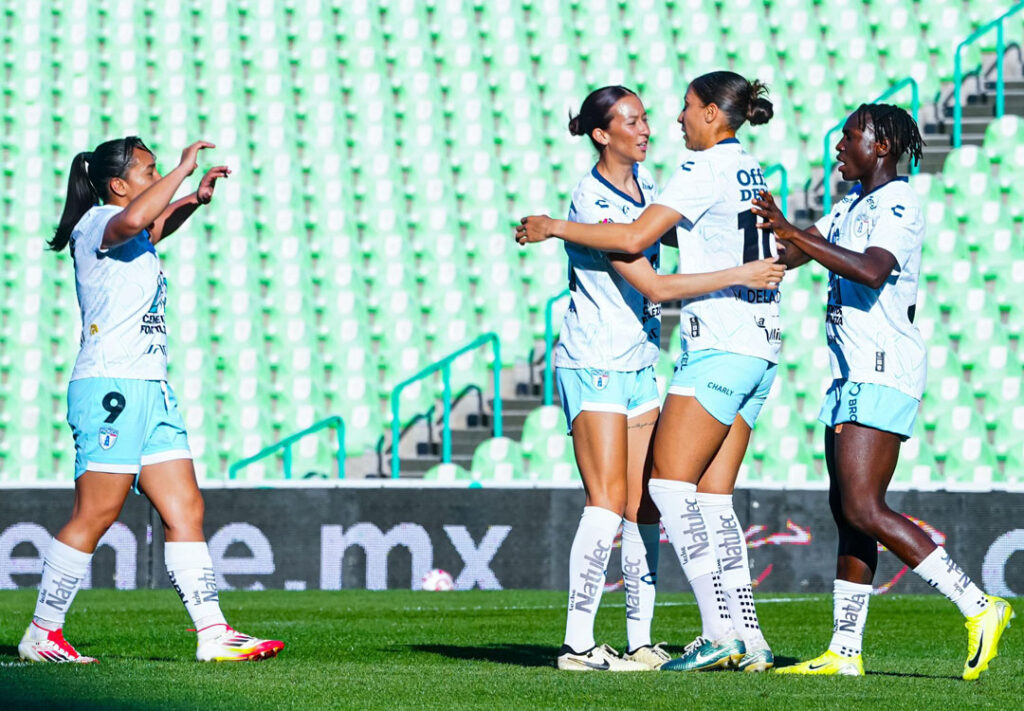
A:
(725, 384)
(121, 425)
(629, 393)
(871, 405)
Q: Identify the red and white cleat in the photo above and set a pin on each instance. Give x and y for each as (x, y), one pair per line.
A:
(42, 645)
(232, 646)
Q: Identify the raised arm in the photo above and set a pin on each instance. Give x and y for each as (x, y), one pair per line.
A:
(871, 267)
(626, 238)
(151, 203)
(180, 210)
(761, 274)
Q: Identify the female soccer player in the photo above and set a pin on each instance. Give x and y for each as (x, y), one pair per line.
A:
(123, 414)
(873, 254)
(730, 348)
(604, 366)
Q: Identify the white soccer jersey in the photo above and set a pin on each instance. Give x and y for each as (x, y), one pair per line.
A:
(871, 334)
(121, 293)
(712, 190)
(609, 324)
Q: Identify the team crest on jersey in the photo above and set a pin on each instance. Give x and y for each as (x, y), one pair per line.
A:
(600, 379)
(861, 226)
(107, 437)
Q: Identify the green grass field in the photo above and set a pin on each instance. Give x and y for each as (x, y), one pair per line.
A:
(403, 649)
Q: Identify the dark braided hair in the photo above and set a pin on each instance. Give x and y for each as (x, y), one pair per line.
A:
(895, 125)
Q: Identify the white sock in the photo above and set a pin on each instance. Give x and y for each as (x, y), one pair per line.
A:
(942, 573)
(693, 544)
(588, 562)
(639, 576)
(64, 568)
(190, 569)
(731, 552)
(714, 612)
(849, 614)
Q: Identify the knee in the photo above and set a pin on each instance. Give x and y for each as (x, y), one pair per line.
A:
(642, 511)
(608, 496)
(97, 517)
(186, 514)
(864, 516)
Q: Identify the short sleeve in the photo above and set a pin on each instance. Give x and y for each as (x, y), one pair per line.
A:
(691, 190)
(898, 230)
(824, 224)
(88, 233)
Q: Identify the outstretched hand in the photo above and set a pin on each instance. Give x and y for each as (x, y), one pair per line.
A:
(763, 273)
(190, 156)
(206, 186)
(771, 216)
(535, 228)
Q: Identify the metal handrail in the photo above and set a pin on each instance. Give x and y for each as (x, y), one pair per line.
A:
(445, 366)
(958, 73)
(549, 344)
(286, 444)
(784, 190)
(915, 106)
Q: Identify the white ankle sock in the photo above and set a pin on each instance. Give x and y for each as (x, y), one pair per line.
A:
(190, 569)
(943, 574)
(849, 615)
(64, 568)
(639, 576)
(588, 562)
(731, 552)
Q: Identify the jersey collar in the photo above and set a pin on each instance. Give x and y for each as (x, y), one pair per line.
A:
(724, 141)
(858, 189)
(643, 199)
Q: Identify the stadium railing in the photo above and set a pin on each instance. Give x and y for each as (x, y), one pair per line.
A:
(915, 106)
(958, 73)
(286, 445)
(444, 365)
(549, 344)
(784, 187)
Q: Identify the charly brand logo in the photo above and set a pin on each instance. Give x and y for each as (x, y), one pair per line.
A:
(107, 437)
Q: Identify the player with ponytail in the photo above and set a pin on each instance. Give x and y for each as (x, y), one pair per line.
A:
(123, 415)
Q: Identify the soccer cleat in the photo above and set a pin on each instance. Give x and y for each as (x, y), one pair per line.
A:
(599, 658)
(702, 654)
(43, 645)
(652, 656)
(232, 646)
(828, 664)
(756, 660)
(983, 633)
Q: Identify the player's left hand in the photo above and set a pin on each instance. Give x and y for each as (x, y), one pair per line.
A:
(205, 192)
(535, 228)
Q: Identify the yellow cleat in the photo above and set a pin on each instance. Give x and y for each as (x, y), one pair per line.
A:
(828, 663)
(983, 633)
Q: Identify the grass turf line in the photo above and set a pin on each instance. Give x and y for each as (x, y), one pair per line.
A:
(403, 649)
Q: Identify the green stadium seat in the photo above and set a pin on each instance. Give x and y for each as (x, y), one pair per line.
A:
(498, 460)
(448, 474)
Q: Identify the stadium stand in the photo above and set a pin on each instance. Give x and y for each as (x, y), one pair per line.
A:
(365, 232)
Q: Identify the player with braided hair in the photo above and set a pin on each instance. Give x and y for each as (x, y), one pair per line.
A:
(871, 244)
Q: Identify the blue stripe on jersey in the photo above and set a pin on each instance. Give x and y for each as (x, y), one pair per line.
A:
(624, 196)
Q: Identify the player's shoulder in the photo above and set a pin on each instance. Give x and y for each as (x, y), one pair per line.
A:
(645, 178)
(88, 231)
(588, 191)
(897, 197)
